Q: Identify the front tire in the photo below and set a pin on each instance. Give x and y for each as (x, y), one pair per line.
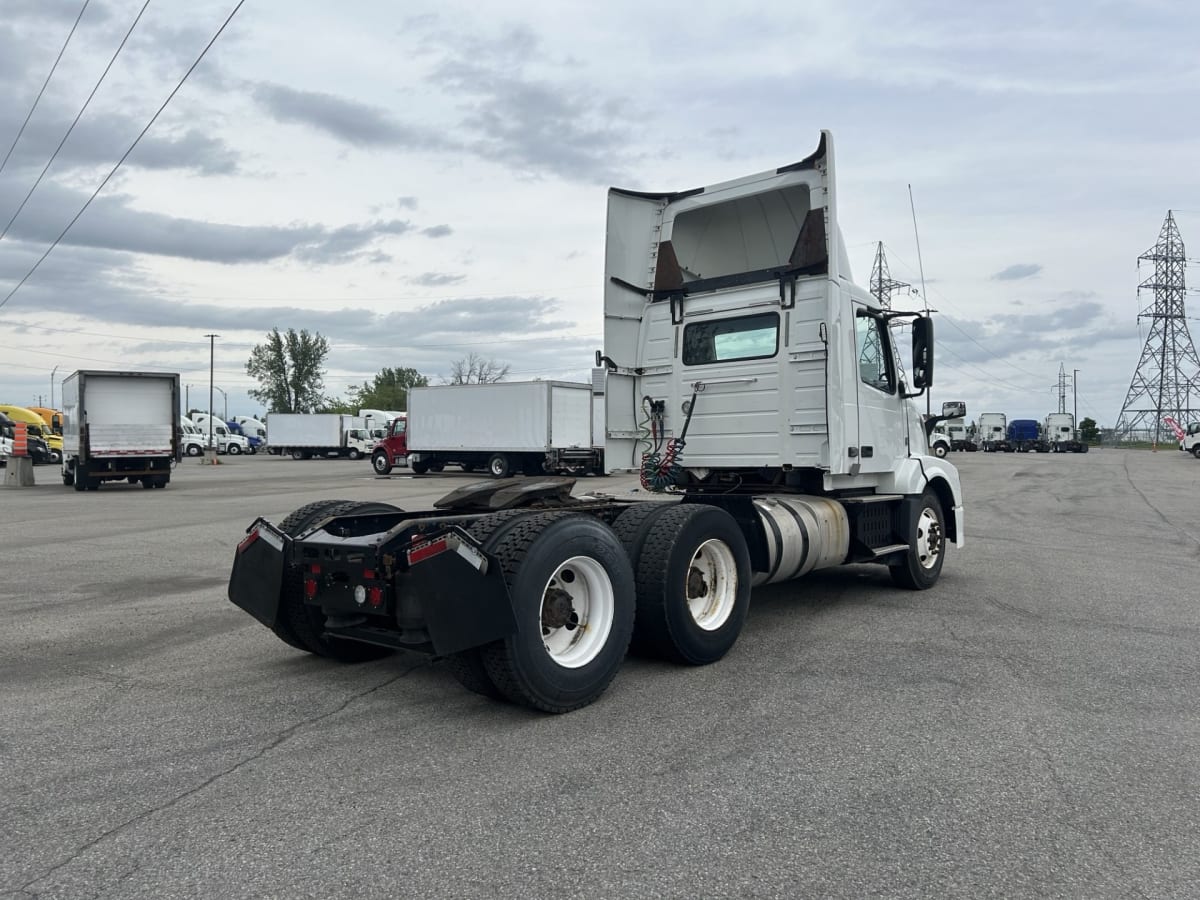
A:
(381, 462)
(354, 454)
(692, 567)
(233, 449)
(939, 451)
(926, 552)
(572, 591)
(194, 449)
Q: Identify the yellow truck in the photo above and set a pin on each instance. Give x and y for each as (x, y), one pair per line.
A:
(37, 428)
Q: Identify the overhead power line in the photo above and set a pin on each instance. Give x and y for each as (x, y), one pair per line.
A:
(38, 98)
(83, 109)
(124, 156)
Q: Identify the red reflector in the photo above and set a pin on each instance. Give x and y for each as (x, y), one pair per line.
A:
(315, 568)
(425, 551)
(369, 573)
(310, 588)
(375, 596)
(249, 539)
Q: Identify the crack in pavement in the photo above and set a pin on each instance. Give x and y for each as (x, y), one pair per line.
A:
(279, 738)
(1191, 537)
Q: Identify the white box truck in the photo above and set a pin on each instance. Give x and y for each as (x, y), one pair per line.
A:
(506, 427)
(119, 426)
(305, 435)
(736, 343)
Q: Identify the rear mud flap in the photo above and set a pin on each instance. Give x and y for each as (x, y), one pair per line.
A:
(461, 606)
(257, 577)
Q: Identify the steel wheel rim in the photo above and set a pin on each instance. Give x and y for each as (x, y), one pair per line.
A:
(582, 584)
(712, 584)
(929, 539)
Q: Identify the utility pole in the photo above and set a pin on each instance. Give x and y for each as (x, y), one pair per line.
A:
(212, 339)
(924, 296)
(52, 373)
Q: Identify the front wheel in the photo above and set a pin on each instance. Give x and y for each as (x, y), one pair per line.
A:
(194, 449)
(234, 449)
(381, 462)
(572, 592)
(939, 451)
(926, 551)
(354, 454)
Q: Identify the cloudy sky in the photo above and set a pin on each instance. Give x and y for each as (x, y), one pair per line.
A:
(420, 181)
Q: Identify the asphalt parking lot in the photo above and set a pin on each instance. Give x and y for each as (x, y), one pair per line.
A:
(1028, 728)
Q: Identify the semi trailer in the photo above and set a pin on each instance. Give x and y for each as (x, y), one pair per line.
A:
(746, 388)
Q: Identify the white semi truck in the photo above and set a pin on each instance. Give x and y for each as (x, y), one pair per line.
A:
(993, 433)
(119, 426)
(745, 382)
(1059, 432)
(305, 435)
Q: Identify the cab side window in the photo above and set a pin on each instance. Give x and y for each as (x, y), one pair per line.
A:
(874, 354)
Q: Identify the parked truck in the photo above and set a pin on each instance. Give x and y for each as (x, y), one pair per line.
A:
(951, 433)
(1025, 435)
(1061, 434)
(305, 435)
(1190, 442)
(745, 383)
(504, 428)
(119, 426)
(993, 433)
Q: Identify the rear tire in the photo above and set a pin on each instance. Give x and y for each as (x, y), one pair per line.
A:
(298, 454)
(302, 625)
(572, 591)
(926, 550)
(499, 466)
(419, 468)
(692, 567)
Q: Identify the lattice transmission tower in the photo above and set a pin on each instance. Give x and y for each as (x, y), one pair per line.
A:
(883, 286)
(1168, 372)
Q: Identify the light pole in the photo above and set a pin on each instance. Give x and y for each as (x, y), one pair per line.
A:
(52, 373)
(212, 339)
(1075, 391)
(226, 398)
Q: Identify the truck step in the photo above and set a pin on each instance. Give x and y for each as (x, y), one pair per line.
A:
(871, 498)
(879, 552)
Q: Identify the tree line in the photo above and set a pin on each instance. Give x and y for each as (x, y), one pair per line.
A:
(289, 367)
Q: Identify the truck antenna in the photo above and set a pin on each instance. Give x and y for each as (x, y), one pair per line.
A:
(924, 296)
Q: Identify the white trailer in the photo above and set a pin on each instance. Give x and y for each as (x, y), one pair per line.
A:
(505, 427)
(119, 426)
(305, 435)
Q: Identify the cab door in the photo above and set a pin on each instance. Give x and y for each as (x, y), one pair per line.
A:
(882, 430)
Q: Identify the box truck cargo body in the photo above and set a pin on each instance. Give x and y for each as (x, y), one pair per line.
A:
(305, 435)
(505, 427)
(119, 425)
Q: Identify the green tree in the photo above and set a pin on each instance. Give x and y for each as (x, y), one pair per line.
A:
(474, 369)
(290, 369)
(388, 390)
(1088, 432)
